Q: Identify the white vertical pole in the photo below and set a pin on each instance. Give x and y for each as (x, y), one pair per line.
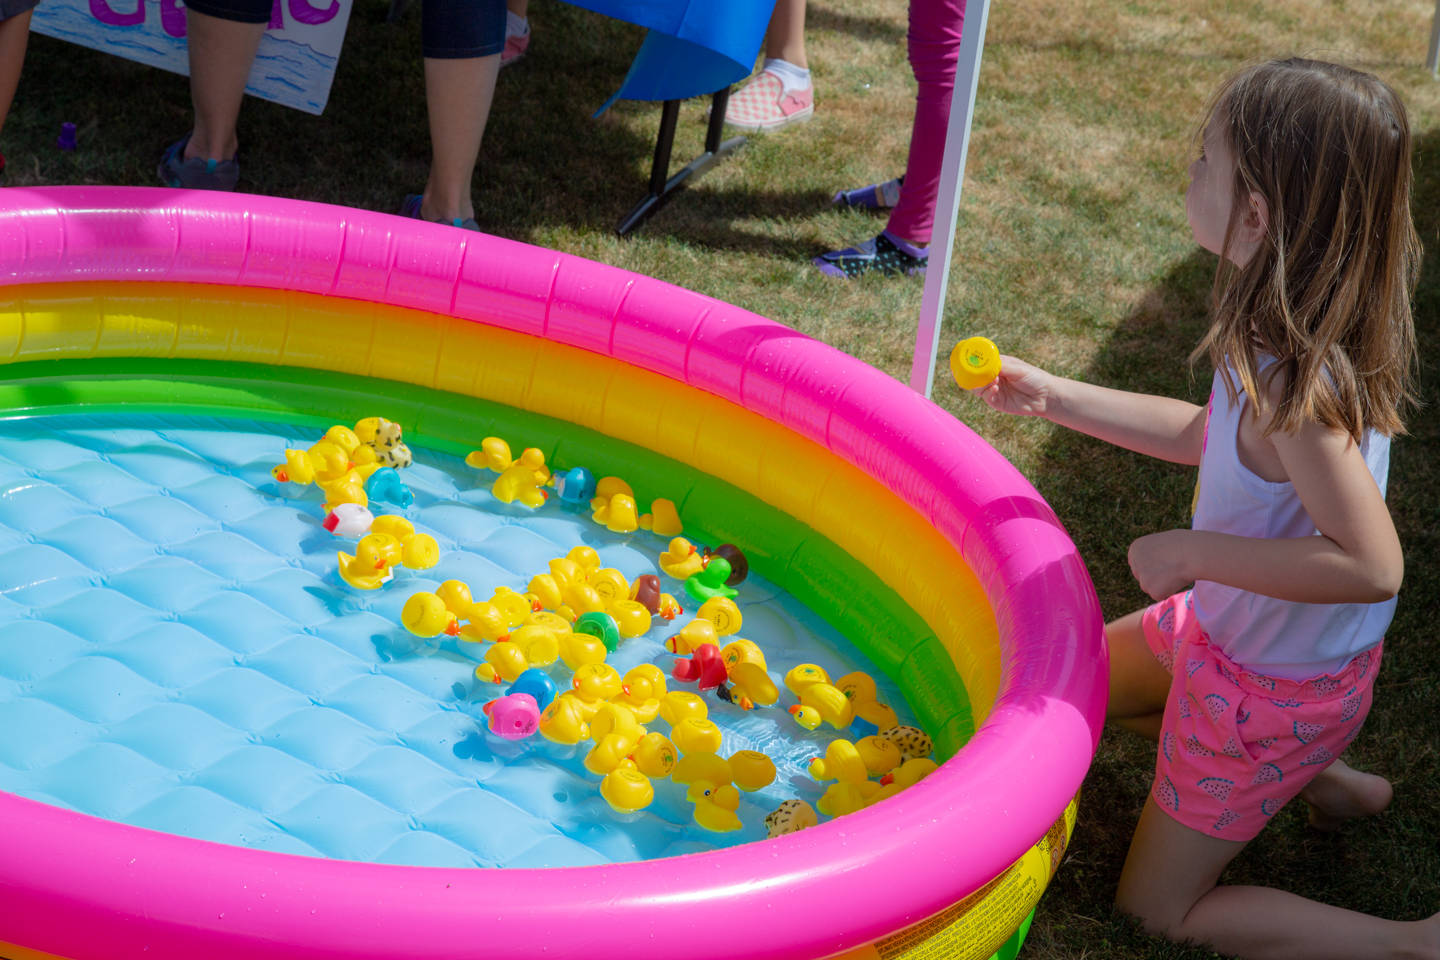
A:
(1432, 60)
(947, 206)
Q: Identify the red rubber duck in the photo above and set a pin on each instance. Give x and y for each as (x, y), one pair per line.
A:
(704, 666)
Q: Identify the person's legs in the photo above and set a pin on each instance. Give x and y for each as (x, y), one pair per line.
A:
(517, 31)
(222, 52)
(934, 44)
(1139, 684)
(14, 37)
(1169, 884)
(458, 94)
(786, 37)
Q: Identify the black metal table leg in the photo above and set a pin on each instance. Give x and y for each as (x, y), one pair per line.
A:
(662, 185)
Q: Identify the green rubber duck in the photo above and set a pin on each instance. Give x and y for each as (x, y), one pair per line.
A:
(710, 582)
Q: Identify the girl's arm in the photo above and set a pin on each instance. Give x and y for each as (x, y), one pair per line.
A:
(1356, 558)
(1155, 426)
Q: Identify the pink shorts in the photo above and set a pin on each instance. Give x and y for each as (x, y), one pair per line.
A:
(1236, 746)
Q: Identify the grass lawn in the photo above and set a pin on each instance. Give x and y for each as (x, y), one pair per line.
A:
(1072, 251)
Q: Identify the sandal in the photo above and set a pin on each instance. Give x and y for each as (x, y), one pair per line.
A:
(886, 253)
(411, 208)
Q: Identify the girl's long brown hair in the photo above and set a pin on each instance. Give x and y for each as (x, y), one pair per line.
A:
(1328, 290)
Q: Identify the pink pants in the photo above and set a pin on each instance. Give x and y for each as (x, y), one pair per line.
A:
(934, 53)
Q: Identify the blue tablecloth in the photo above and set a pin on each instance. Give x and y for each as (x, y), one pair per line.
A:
(694, 47)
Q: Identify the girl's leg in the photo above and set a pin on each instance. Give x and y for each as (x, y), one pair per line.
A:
(458, 94)
(1138, 683)
(1340, 793)
(14, 37)
(1169, 883)
(221, 54)
(786, 38)
(934, 43)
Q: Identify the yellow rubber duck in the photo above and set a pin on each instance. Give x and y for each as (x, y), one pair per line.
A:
(723, 612)
(741, 650)
(426, 615)
(715, 806)
(539, 645)
(974, 362)
(368, 568)
(664, 519)
(626, 788)
(609, 583)
(858, 686)
(879, 714)
(344, 491)
(297, 468)
(586, 558)
(583, 598)
(670, 607)
(655, 755)
(841, 762)
(613, 718)
(553, 622)
(486, 622)
(830, 703)
(802, 676)
(846, 798)
(751, 685)
(695, 736)
(641, 690)
(592, 685)
(682, 560)
(566, 572)
(879, 755)
(513, 606)
(494, 454)
(421, 552)
(562, 721)
(619, 514)
(534, 458)
(504, 662)
(702, 766)
(518, 483)
(752, 770)
(807, 717)
(455, 594)
(903, 777)
(546, 590)
(579, 650)
(691, 637)
(631, 617)
(607, 487)
(608, 753)
(679, 705)
(330, 461)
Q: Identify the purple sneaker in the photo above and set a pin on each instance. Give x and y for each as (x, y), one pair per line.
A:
(410, 207)
(877, 196)
(886, 253)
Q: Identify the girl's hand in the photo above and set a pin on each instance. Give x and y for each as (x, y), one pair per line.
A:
(1020, 389)
(1159, 561)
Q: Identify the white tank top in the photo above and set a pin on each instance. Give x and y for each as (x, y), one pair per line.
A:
(1278, 638)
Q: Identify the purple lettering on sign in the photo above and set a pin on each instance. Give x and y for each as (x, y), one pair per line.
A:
(304, 13)
(172, 17)
(101, 11)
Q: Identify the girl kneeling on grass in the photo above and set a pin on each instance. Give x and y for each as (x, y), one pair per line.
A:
(1256, 678)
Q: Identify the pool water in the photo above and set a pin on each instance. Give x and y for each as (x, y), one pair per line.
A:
(178, 652)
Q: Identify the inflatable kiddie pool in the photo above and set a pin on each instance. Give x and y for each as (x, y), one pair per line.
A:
(889, 518)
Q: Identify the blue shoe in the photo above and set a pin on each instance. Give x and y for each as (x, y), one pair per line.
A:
(196, 174)
(877, 196)
(411, 208)
(886, 253)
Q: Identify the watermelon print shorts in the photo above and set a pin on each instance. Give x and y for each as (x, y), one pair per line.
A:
(1236, 746)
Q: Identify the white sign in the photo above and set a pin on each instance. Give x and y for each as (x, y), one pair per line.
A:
(294, 67)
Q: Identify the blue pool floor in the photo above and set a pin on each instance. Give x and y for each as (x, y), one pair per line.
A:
(177, 652)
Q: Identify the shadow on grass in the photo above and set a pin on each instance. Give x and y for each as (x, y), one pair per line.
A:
(818, 17)
(1385, 866)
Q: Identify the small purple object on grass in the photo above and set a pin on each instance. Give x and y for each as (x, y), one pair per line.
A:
(67, 137)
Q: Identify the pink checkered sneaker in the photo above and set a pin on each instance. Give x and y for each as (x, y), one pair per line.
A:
(763, 105)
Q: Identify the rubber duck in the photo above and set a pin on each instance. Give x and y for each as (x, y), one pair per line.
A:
(645, 590)
(486, 622)
(841, 762)
(858, 686)
(618, 514)
(731, 554)
(386, 486)
(695, 736)
(679, 705)
(345, 490)
(566, 573)
(546, 590)
(752, 769)
(421, 552)
(494, 454)
(974, 362)
(607, 487)
(722, 612)
(710, 582)
(512, 606)
(383, 438)
(456, 596)
(845, 798)
(581, 649)
(681, 560)
(741, 650)
(586, 558)
(872, 717)
(394, 526)
(576, 485)
(518, 483)
(426, 615)
(602, 626)
(807, 717)
(540, 646)
(640, 691)
(504, 662)
(664, 519)
(583, 598)
(537, 684)
(655, 755)
(703, 667)
(593, 684)
(631, 617)
(348, 520)
(608, 753)
(702, 766)
(297, 468)
(829, 702)
(534, 458)
(553, 622)
(330, 462)
(803, 675)
(692, 636)
(564, 722)
(903, 777)
(792, 816)
(610, 584)
(913, 742)
(750, 686)
(514, 716)
(614, 718)
(626, 789)
(879, 755)
(715, 806)
(669, 607)
(368, 568)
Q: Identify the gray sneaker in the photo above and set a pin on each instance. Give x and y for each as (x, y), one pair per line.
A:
(196, 174)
